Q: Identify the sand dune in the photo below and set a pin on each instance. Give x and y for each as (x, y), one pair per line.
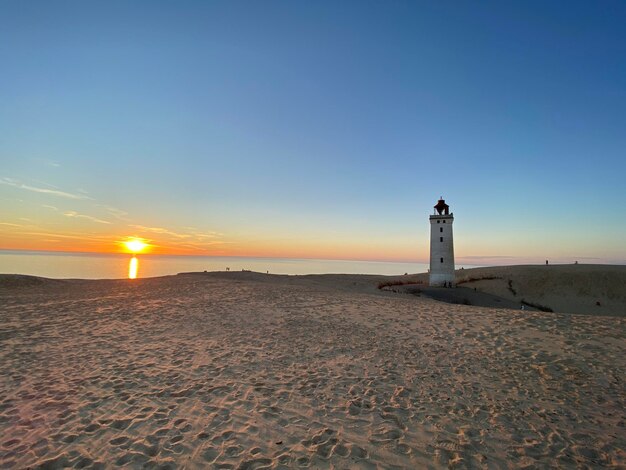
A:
(242, 370)
(588, 289)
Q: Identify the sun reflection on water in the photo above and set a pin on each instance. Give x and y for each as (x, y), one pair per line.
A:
(133, 267)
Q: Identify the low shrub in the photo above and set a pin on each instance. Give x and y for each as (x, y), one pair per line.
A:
(474, 279)
(398, 282)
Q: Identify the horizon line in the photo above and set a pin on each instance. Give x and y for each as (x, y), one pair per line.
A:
(469, 257)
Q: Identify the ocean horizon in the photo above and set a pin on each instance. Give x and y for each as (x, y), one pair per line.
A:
(84, 265)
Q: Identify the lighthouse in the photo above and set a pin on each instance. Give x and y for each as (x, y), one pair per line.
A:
(441, 246)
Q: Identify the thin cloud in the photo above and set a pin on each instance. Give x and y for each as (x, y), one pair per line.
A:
(11, 225)
(194, 235)
(50, 207)
(83, 216)
(48, 162)
(115, 212)
(54, 192)
(162, 231)
(206, 234)
(203, 245)
(88, 237)
(199, 233)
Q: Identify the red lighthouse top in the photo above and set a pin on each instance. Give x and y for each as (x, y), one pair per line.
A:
(442, 208)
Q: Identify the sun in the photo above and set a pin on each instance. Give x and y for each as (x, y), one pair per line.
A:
(135, 245)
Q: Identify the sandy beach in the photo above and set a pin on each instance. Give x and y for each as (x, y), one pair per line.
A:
(246, 370)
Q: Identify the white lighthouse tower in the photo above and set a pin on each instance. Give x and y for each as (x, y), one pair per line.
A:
(441, 246)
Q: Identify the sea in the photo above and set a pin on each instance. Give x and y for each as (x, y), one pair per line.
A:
(63, 265)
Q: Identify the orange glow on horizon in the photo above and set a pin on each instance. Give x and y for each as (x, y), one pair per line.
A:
(235, 245)
(259, 248)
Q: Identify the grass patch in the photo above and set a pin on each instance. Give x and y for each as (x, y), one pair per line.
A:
(382, 285)
(474, 279)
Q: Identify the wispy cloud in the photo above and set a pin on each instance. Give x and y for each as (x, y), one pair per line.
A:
(199, 233)
(115, 212)
(11, 225)
(204, 235)
(54, 192)
(50, 207)
(47, 162)
(83, 216)
(193, 235)
(162, 231)
(76, 236)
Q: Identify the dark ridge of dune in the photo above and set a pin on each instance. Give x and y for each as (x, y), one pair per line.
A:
(12, 281)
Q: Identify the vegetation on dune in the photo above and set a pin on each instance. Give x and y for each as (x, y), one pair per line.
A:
(474, 279)
(397, 282)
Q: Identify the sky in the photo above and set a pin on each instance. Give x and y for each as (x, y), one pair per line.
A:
(315, 129)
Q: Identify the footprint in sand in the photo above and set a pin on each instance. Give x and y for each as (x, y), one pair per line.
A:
(121, 424)
(93, 427)
(384, 435)
(210, 454)
(118, 441)
(256, 464)
(403, 449)
(233, 451)
(10, 443)
(225, 436)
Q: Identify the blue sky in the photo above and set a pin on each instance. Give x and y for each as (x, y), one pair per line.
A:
(324, 129)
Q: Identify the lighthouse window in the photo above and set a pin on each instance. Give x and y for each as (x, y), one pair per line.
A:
(444, 221)
(438, 221)
(441, 229)
(442, 260)
(440, 239)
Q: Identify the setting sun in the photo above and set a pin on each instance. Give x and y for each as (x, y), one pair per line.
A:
(135, 245)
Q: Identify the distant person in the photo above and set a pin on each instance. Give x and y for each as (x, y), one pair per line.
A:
(546, 262)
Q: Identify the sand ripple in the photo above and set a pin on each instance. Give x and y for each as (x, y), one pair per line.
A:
(262, 372)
